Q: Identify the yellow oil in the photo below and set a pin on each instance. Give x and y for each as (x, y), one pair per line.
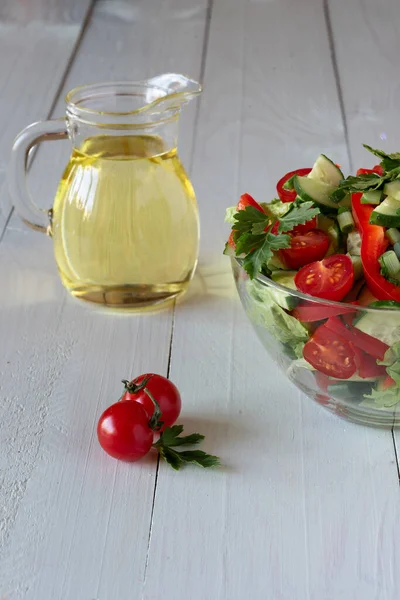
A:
(125, 222)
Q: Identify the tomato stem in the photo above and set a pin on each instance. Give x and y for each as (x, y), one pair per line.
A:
(154, 422)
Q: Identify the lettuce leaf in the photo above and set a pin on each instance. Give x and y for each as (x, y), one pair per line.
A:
(264, 311)
(392, 362)
(382, 400)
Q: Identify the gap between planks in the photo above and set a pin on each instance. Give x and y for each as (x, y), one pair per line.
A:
(335, 67)
(63, 79)
(339, 90)
(210, 6)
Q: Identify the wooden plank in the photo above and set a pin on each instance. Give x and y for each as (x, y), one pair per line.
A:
(306, 505)
(366, 40)
(36, 42)
(371, 109)
(75, 523)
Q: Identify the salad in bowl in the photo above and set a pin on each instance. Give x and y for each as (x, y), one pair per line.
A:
(318, 273)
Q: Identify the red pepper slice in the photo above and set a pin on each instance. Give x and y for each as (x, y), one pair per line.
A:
(358, 338)
(373, 245)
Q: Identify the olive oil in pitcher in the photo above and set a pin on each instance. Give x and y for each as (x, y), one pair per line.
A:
(125, 222)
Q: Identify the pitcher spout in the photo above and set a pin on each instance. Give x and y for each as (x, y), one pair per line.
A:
(171, 90)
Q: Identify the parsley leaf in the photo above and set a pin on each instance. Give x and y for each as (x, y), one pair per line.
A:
(388, 161)
(298, 215)
(171, 437)
(252, 233)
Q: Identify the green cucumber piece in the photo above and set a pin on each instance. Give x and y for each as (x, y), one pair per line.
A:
(392, 189)
(381, 326)
(387, 213)
(385, 304)
(393, 235)
(349, 391)
(275, 263)
(357, 267)
(315, 191)
(346, 202)
(285, 278)
(326, 171)
(390, 264)
(371, 197)
(345, 220)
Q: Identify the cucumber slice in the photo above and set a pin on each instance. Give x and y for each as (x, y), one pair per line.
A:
(387, 213)
(382, 326)
(354, 243)
(330, 227)
(346, 202)
(349, 391)
(371, 197)
(315, 191)
(276, 263)
(392, 189)
(326, 171)
(285, 278)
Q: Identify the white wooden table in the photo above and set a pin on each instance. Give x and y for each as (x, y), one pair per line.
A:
(306, 507)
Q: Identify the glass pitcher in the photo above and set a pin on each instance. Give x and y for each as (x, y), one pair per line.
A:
(124, 222)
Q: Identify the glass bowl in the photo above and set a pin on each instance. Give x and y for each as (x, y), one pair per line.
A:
(353, 337)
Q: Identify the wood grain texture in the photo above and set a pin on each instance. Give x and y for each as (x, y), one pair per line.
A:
(73, 522)
(371, 109)
(36, 42)
(306, 506)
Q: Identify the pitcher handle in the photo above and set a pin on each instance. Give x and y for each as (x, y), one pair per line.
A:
(37, 218)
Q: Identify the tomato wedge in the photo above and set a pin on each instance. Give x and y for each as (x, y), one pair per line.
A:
(309, 312)
(305, 248)
(330, 278)
(330, 354)
(289, 195)
(358, 338)
(247, 200)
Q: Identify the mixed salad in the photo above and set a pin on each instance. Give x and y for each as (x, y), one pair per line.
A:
(336, 239)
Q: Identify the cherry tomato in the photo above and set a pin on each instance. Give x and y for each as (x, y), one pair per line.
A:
(312, 224)
(247, 200)
(164, 391)
(309, 312)
(231, 242)
(123, 431)
(289, 195)
(305, 248)
(330, 278)
(330, 354)
(376, 169)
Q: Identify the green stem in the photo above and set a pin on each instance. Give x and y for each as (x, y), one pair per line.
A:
(154, 422)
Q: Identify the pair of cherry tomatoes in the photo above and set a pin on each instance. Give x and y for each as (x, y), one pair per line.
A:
(126, 429)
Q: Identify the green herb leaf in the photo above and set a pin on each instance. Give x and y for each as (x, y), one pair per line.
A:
(199, 458)
(171, 457)
(388, 161)
(260, 255)
(298, 215)
(170, 438)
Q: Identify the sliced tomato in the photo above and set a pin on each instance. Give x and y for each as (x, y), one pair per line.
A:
(305, 248)
(330, 278)
(289, 195)
(358, 338)
(376, 169)
(299, 229)
(309, 312)
(368, 367)
(247, 200)
(330, 354)
(231, 243)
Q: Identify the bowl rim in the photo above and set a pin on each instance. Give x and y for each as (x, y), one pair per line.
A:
(264, 280)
